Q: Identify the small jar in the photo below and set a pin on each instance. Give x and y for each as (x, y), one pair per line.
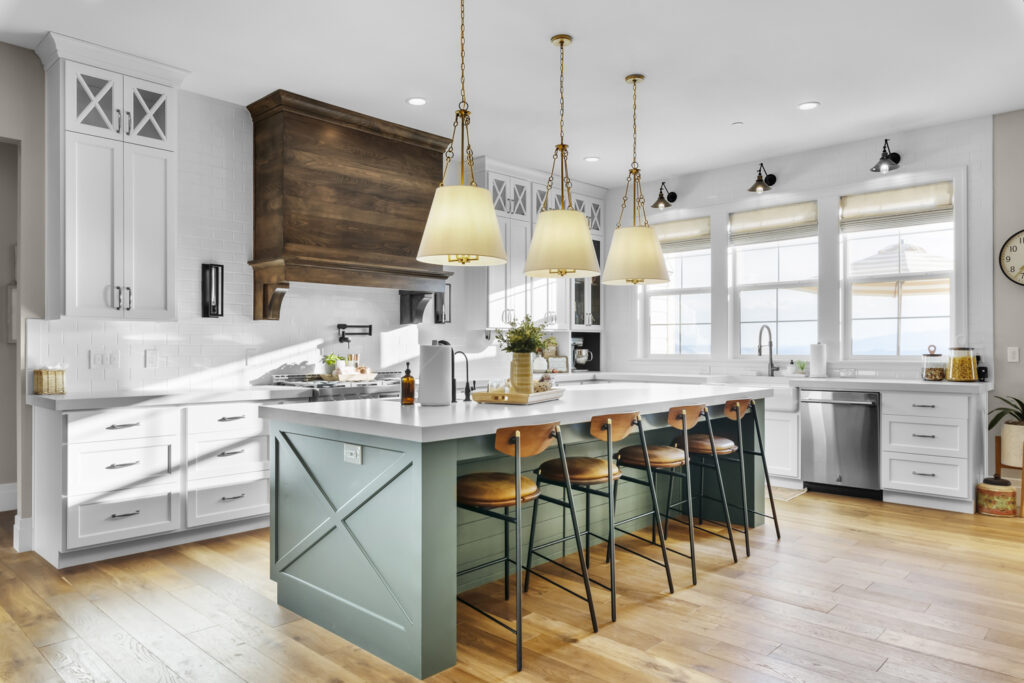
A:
(933, 365)
(963, 366)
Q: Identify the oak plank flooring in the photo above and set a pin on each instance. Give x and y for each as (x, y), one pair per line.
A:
(856, 590)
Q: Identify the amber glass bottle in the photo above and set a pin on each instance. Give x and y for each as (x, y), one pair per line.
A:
(408, 387)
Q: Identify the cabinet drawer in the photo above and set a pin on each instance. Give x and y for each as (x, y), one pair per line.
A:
(111, 465)
(931, 436)
(120, 518)
(924, 405)
(230, 501)
(223, 456)
(127, 423)
(223, 418)
(925, 474)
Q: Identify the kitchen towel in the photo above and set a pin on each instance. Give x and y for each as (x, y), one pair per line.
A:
(819, 354)
(435, 380)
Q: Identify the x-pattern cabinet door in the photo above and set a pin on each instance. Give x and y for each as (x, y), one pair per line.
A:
(511, 196)
(94, 102)
(149, 111)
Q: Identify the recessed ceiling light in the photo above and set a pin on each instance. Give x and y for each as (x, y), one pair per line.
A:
(807, 106)
(416, 101)
(591, 159)
(737, 124)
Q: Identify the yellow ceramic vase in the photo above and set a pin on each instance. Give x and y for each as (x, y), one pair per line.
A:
(521, 373)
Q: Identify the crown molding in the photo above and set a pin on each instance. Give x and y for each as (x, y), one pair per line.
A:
(56, 46)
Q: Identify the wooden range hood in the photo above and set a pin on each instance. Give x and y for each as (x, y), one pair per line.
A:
(339, 198)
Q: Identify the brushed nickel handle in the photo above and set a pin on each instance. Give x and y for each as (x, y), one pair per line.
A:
(125, 514)
(922, 405)
(121, 465)
(226, 498)
(923, 474)
(118, 112)
(923, 436)
(124, 426)
(120, 298)
(231, 418)
(127, 123)
(129, 299)
(224, 454)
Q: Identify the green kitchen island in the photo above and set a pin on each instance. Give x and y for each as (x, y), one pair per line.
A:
(365, 536)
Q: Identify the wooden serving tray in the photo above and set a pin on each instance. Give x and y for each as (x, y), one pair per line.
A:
(517, 399)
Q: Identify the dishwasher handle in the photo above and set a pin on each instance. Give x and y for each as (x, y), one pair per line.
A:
(839, 403)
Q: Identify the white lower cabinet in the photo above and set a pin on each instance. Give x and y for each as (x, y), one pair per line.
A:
(220, 456)
(92, 520)
(105, 466)
(782, 444)
(216, 502)
(928, 474)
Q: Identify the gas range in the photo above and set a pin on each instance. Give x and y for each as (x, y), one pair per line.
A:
(384, 385)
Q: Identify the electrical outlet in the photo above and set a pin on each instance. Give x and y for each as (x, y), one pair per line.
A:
(151, 358)
(114, 359)
(99, 358)
(1012, 354)
(353, 453)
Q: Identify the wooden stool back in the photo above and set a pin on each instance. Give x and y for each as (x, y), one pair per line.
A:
(684, 417)
(731, 406)
(533, 439)
(619, 425)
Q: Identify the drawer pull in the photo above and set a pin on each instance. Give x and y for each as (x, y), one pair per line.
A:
(923, 405)
(231, 418)
(923, 436)
(122, 515)
(120, 465)
(224, 454)
(923, 474)
(228, 498)
(124, 426)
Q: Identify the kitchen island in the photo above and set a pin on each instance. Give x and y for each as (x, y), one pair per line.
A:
(365, 533)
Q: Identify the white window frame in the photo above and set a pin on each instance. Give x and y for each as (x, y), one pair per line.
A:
(735, 290)
(646, 310)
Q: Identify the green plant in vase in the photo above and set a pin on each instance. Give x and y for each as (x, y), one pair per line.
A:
(331, 362)
(522, 340)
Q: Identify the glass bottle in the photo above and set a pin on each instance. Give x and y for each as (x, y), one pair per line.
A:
(408, 387)
(963, 366)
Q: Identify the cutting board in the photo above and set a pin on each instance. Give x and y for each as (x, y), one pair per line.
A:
(517, 399)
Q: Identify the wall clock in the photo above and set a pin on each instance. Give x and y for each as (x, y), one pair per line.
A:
(1011, 258)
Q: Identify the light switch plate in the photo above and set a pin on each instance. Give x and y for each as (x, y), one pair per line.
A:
(353, 453)
(1012, 354)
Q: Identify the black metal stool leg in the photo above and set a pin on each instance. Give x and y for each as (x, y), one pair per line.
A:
(654, 507)
(721, 489)
(689, 506)
(576, 535)
(654, 538)
(767, 477)
(519, 559)
(668, 506)
(529, 550)
(587, 495)
(506, 554)
(612, 491)
(743, 481)
(700, 499)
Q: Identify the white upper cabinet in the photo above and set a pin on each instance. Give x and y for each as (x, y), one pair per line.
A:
(111, 219)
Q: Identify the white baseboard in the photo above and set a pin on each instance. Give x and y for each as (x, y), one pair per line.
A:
(22, 533)
(8, 497)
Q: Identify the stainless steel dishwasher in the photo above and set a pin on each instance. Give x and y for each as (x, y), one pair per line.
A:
(839, 442)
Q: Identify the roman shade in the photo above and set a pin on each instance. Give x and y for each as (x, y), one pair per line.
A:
(905, 207)
(690, 234)
(790, 221)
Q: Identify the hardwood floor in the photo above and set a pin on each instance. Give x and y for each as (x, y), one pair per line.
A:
(857, 590)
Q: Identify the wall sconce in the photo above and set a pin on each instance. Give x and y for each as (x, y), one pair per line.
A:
(889, 161)
(665, 198)
(764, 181)
(213, 290)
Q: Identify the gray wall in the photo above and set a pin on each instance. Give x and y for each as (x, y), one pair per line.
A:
(8, 352)
(22, 121)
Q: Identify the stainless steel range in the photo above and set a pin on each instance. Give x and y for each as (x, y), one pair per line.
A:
(384, 385)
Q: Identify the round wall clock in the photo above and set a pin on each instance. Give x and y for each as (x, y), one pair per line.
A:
(1011, 258)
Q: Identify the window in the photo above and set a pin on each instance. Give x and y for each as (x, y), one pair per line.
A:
(898, 262)
(773, 256)
(679, 311)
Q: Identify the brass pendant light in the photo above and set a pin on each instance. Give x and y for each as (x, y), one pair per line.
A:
(635, 257)
(462, 228)
(561, 244)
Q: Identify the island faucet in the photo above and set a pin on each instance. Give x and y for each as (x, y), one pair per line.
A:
(771, 363)
(467, 390)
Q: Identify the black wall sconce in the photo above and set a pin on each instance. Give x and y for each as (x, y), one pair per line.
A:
(213, 290)
(764, 181)
(889, 161)
(665, 198)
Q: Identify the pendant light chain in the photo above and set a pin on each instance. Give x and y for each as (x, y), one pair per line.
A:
(461, 126)
(560, 157)
(633, 178)
(462, 53)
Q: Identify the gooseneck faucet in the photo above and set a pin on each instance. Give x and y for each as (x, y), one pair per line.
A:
(466, 389)
(771, 363)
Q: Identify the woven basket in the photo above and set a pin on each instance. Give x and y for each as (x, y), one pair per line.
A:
(48, 381)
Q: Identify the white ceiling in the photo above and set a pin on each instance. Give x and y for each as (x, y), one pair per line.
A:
(877, 66)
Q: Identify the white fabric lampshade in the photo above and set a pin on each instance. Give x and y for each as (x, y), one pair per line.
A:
(462, 223)
(635, 258)
(561, 242)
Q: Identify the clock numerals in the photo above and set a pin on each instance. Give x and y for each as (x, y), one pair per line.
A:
(1011, 258)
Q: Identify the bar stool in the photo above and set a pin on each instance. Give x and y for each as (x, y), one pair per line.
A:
(736, 411)
(583, 474)
(486, 492)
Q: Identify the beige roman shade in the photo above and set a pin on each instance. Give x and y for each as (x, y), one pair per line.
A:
(685, 235)
(905, 207)
(789, 221)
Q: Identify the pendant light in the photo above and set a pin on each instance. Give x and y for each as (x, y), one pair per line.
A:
(635, 256)
(561, 244)
(462, 228)
(889, 161)
(764, 181)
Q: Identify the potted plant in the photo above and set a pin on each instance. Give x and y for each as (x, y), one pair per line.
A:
(331, 363)
(522, 340)
(1013, 430)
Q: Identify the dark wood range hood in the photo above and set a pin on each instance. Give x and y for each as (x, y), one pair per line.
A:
(339, 198)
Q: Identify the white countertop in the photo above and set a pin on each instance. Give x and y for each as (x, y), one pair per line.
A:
(128, 399)
(388, 418)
